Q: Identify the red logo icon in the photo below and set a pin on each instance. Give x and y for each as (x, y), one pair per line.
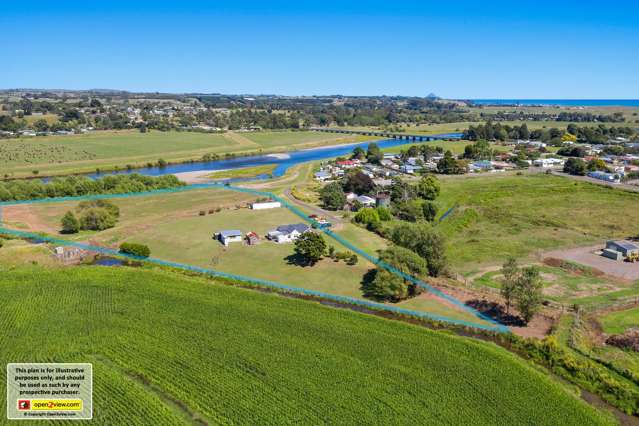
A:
(24, 404)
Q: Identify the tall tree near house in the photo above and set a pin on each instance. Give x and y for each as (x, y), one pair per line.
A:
(428, 187)
(311, 247)
(510, 272)
(333, 197)
(374, 154)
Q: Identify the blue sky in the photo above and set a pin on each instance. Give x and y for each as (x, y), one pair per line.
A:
(462, 49)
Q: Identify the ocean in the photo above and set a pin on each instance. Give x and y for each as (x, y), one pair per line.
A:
(561, 102)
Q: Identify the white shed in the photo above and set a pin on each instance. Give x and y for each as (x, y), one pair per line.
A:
(267, 205)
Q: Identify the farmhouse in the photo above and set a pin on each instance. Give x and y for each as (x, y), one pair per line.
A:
(266, 205)
(230, 236)
(287, 233)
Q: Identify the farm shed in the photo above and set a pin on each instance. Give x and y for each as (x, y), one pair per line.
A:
(266, 205)
(230, 236)
(626, 248)
(252, 238)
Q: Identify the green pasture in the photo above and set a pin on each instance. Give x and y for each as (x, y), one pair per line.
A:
(618, 322)
(523, 215)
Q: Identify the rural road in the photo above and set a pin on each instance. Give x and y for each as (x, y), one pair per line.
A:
(335, 220)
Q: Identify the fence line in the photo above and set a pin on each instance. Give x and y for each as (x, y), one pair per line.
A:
(495, 326)
(256, 281)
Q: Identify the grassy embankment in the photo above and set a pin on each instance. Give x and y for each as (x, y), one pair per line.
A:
(110, 149)
(619, 321)
(173, 350)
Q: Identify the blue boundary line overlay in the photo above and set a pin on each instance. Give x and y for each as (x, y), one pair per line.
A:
(495, 326)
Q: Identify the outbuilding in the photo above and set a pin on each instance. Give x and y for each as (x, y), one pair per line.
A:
(230, 236)
(626, 248)
(266, 205)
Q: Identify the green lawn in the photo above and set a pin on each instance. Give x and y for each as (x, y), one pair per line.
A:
(171, 225)
(619, 321)
(498, 216)
(167, 349)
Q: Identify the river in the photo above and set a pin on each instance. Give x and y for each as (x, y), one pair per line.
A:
(283, 160)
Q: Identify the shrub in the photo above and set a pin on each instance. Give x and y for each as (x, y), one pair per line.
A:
(97, 219)
(135, 249)
(70, 224)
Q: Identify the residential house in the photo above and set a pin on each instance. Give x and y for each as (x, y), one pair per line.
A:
(287, 233)
(323, 176)
(365, 200)
(548, 162)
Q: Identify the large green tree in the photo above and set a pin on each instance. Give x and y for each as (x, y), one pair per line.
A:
(428, 187)
(333, 197)
(310, 247)
(424, 240)
(70, 224)
(390, 286)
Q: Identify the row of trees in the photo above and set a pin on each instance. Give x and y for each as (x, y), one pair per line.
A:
(71, 186)
(599, 134)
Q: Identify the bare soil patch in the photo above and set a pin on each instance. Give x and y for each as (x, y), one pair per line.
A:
(590, 256)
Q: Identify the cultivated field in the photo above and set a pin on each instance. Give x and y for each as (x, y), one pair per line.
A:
(109, 149)
(173, 350)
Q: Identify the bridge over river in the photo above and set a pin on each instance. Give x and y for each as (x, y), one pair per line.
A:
(391, 135)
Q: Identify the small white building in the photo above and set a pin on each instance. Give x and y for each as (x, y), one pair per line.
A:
(365, 200)
(548, 162)
(350, 197)
(230, 236)
(266, 205)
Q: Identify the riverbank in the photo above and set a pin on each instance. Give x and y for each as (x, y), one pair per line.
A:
(122, 151)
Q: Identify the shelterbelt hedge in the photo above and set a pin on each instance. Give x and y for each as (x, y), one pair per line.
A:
(169, 349)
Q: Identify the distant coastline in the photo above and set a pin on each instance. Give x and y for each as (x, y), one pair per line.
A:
(560, 102)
